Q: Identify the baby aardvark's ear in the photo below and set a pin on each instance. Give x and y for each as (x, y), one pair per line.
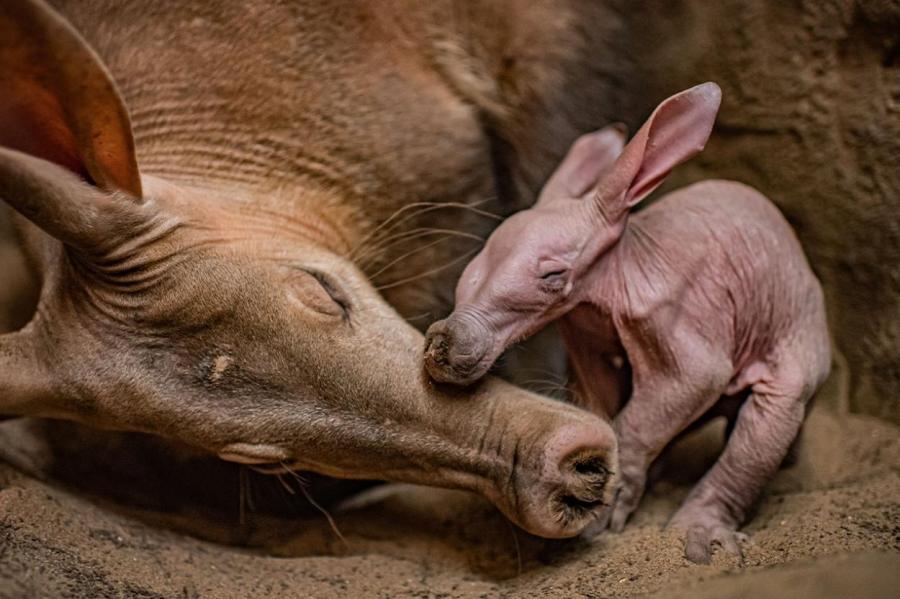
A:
(589, 158)
(676, 131)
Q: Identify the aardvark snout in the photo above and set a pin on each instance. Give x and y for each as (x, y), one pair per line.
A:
(576, 479)
(455, 351)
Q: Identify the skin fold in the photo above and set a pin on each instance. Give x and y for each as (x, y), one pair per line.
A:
(231, 207)
(704, 296)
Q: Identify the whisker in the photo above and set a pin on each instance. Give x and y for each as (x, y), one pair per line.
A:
(418, 317)
(325, 513)
(402, 257)
(558, 394)
(549, 372)
(515, 537)
(428, 272)
(370, 256)
(284, 484)
(408, 236)
(551, 382)
(376, 230)
(420, 208)
(302, 486)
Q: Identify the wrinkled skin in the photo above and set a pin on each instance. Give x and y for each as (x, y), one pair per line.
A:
(202, 280)
(705, 295)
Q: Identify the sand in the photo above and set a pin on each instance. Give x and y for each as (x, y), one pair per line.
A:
(829, 526)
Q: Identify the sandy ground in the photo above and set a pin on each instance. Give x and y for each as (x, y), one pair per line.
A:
(829, 526)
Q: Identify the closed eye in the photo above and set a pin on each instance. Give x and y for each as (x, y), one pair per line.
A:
(331, 288)
(553, 281)
(553, 273)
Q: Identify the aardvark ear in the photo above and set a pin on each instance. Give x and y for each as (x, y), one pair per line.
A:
(59, 105)
(676, 131)
(589, 158)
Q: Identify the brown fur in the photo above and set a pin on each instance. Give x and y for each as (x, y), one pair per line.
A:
(295, 158)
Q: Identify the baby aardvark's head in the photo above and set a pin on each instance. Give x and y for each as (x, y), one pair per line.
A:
(534, 267)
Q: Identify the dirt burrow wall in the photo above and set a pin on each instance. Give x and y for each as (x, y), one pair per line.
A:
(811, 116)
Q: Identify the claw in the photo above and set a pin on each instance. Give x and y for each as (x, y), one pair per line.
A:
(595, 528)
(699, 541)
(619, 517)
(602, 521)
(626, 498)
(696, 546)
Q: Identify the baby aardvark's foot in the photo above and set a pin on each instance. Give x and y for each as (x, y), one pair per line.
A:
(628, 493)
(703, 529)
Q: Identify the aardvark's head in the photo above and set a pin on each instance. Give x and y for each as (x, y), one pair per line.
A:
(538, 263)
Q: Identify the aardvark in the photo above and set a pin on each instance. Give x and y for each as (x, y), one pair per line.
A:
(200, 183)
(704, 295)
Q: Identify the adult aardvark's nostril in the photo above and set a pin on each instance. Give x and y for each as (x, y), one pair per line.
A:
(590, 482)
(581, 458)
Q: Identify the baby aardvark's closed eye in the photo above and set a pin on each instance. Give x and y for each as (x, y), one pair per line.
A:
(316, 290)
(553, 278)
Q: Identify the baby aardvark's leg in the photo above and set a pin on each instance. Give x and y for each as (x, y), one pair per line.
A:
(767, 424)
(668, 396)
(600, 379)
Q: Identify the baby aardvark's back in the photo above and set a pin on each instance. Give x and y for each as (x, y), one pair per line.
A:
(719, 257)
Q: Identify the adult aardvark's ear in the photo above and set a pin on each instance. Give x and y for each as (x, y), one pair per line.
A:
(676, 131)
(59, 105)
(589, 158)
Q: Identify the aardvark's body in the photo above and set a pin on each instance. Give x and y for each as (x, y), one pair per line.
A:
(705, 294)
(229, 204)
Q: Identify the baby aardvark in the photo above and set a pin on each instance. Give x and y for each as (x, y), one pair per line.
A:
(704, 295)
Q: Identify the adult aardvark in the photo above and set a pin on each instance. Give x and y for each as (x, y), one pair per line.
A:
(207, 190)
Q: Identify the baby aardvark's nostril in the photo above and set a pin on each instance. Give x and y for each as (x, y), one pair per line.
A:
(436, 348)
(437, 344)
(453, 353)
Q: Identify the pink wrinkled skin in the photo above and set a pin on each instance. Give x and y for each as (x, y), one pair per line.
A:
(701, 300)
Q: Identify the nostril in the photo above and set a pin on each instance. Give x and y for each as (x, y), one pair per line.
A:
(580, 455)
(585, 491)
(580, 505)
(436, 347)
(588, 477)
(443, 349)
(591, 466)
(583, 449)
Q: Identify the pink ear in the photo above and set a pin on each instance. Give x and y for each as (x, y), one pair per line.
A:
(589, 158)
(676, 131)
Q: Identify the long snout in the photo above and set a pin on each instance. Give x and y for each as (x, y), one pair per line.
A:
(553, 464)
(458, 350)
(575, 480)
(560, 471)
(546, 465)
